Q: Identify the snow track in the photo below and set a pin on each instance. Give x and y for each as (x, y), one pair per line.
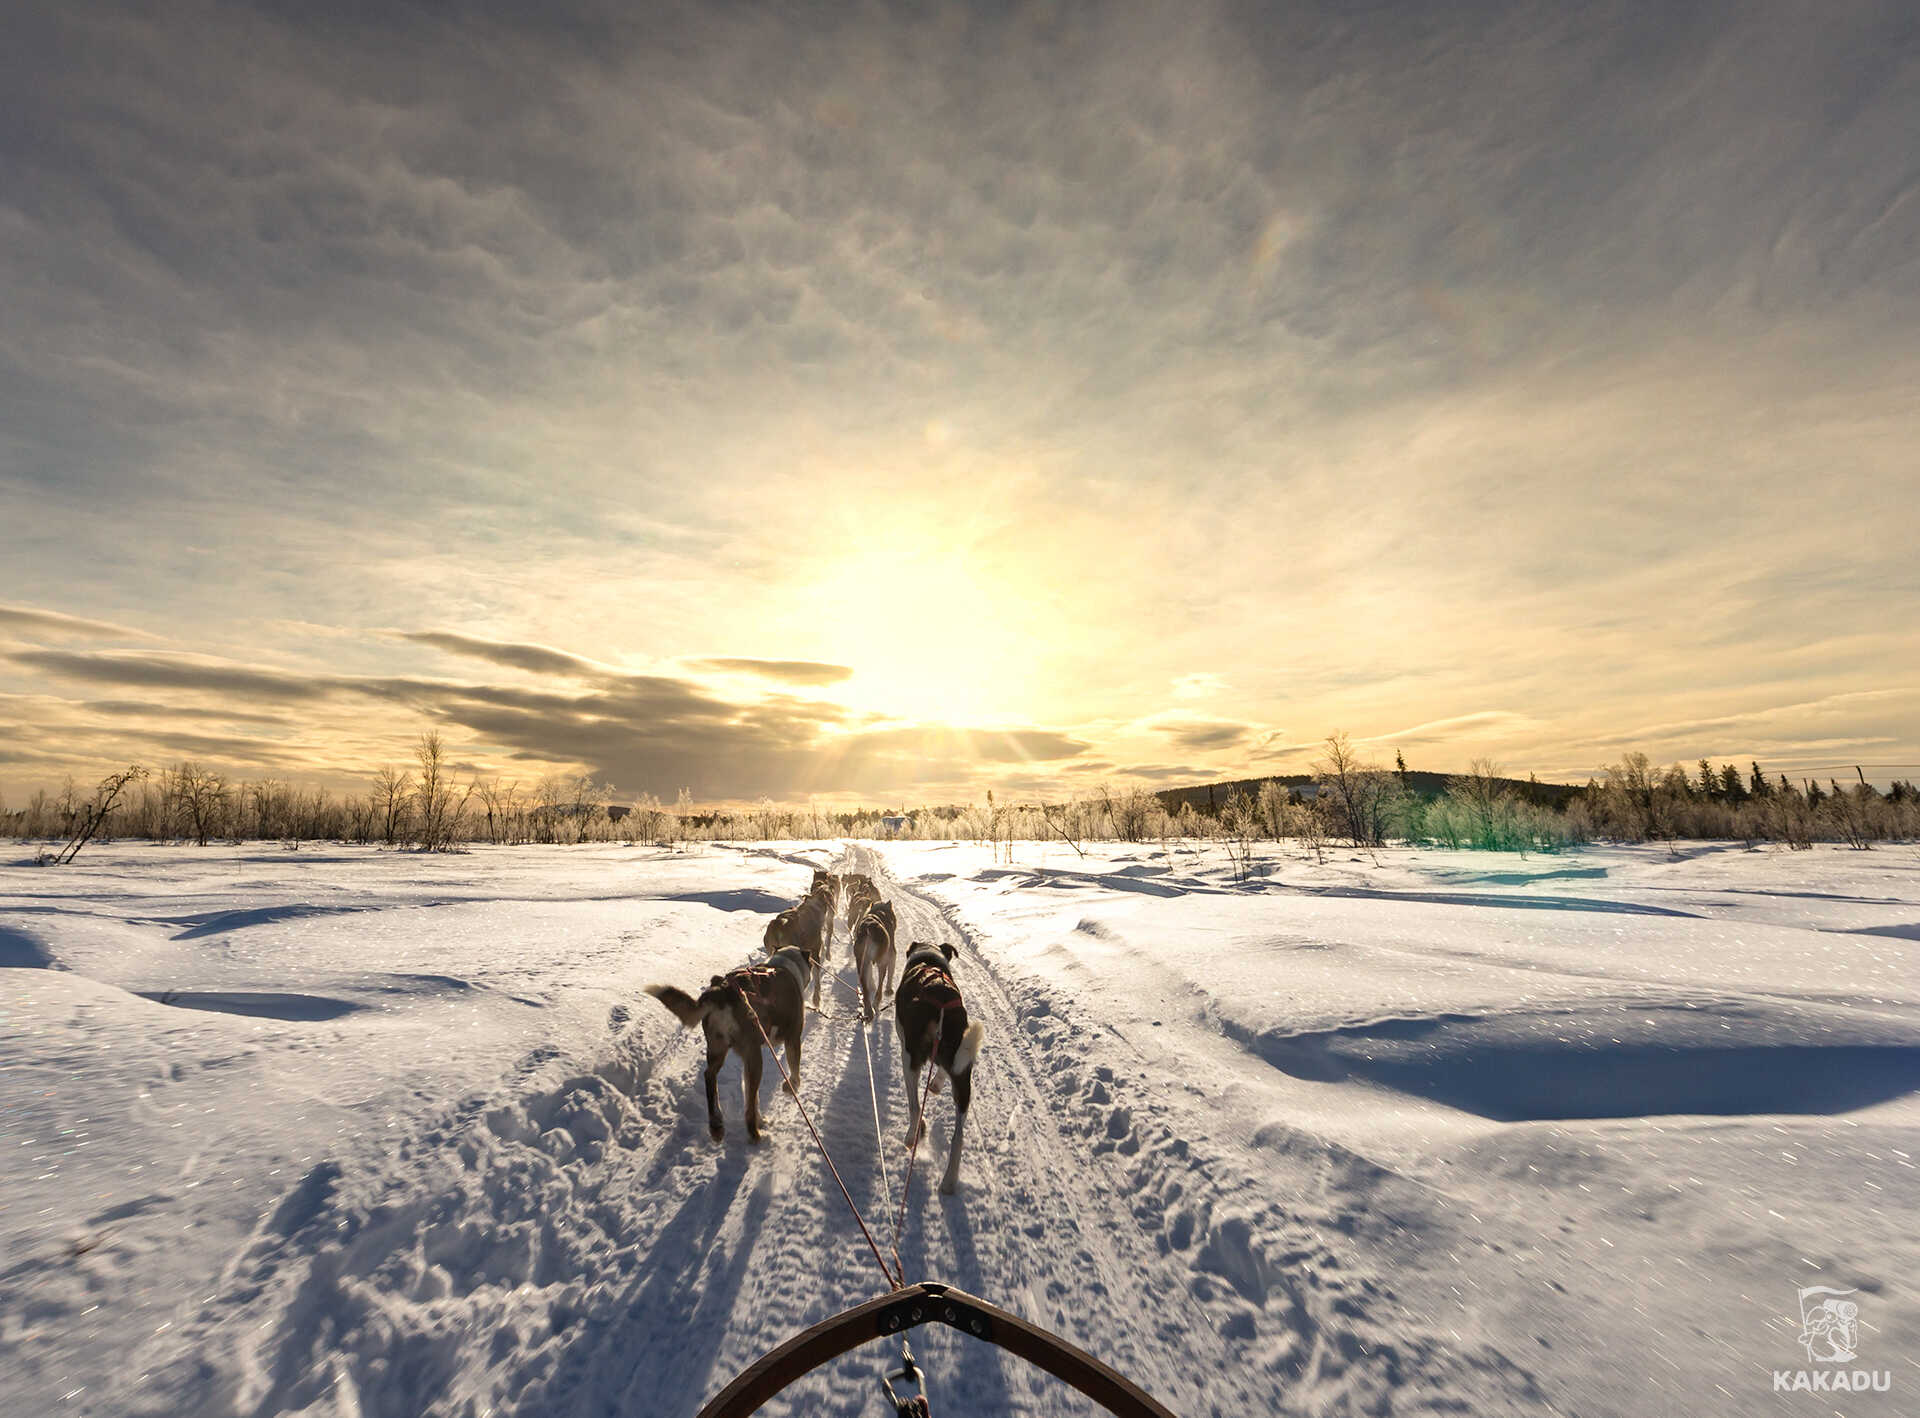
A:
(578, 1246)
(1219, 1297)
(1261, 1147)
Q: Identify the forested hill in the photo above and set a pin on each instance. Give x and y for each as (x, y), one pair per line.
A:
(1210, 797)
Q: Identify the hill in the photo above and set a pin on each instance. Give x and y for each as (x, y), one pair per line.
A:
(1211, 797)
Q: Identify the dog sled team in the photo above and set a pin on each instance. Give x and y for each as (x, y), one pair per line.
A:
(767, 1000)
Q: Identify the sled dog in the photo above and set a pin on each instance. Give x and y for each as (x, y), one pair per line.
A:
(860, 893)
(806, 928)
(932, 1020)
(873, 956)
(774, 991)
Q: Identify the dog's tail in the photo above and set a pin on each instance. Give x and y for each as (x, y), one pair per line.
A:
(969, 1049)
(688, 1010)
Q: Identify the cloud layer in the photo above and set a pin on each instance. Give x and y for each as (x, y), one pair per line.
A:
(1133, 378)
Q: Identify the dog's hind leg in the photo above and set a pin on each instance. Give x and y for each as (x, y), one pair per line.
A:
(752, 1072)
(792, 1084)
(716, 1056)
(916, 1125)
(962, 1097)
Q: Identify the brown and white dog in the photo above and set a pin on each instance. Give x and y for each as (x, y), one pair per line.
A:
(774, 992)
(932, 1020)
(873, 955)
(806, 927)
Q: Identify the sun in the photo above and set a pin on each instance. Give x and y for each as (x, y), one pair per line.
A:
(928, 636)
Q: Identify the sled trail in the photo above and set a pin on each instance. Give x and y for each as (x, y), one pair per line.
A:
(577, 1245)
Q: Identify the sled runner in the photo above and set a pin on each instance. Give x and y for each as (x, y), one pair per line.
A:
(892, 1316)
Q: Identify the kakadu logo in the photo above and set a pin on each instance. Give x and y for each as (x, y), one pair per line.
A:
(1830, 1333)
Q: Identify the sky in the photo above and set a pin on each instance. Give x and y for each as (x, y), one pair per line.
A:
(889, 402)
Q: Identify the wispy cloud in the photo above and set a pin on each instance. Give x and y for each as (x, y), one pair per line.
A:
(1200, 735)
(1487, 723)
(538, 659)
(787, 671)
(30, 620)
(1198, 686)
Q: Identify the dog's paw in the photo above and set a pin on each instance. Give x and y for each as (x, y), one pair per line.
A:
(948, 1185)
(716, 1132)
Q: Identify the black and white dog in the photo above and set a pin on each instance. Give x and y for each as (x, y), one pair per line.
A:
(932, 1020)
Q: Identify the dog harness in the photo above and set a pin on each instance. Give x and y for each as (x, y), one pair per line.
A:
(928, 970)
(756, 979)
(794, 961)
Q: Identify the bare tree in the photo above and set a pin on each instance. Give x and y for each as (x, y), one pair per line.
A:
(201, 795)
(94, 815)
(1486, 800)
(391, 790)
(437, 804)
(1272, 808)
(1060, 820)
(494, 801)
(1361, 793)
(1239, 828)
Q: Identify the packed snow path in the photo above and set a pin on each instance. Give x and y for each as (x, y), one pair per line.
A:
(586, 1249)
(1261, 1149)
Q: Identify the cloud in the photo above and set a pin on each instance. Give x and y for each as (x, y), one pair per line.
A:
(1169, 773)
(1861, 725)
(1396, 368)
(1198, 686)
(168, 670)
(644, 733)
(147, 709)
(539, 659)
(1199, 735)
(1486, 723)
(1024, 745)
(789, 671)
(31, 620)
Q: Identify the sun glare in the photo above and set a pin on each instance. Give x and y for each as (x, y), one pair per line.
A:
(928, 639)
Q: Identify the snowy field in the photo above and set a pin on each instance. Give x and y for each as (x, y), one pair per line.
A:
(345, 1132)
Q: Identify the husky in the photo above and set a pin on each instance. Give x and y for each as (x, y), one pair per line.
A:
(860, 893)
(873, 956)
(932, 1020)
(774, 992)
(806, 927)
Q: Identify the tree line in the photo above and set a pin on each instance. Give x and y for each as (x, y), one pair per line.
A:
(1348, 797)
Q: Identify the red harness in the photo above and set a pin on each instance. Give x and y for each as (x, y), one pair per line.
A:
(755, 980)
(935, 982)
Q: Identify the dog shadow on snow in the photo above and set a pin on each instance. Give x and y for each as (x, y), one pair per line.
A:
(960, 1370)
(657, 1351)
(661, 1339)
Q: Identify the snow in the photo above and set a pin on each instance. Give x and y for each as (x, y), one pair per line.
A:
(350, 1132)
